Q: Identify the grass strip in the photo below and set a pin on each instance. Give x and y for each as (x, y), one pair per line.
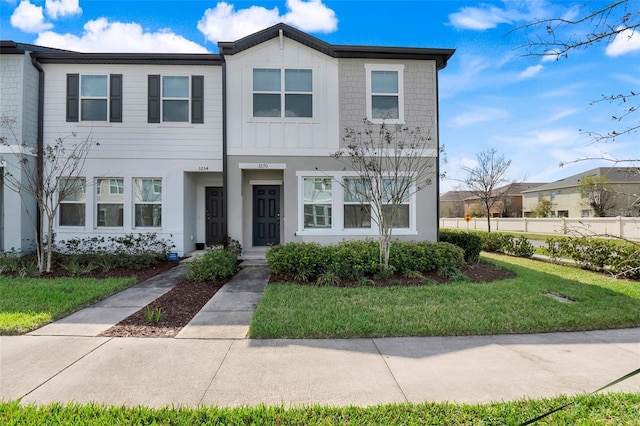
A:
(30, 303)
(602, 409)
(520, 305)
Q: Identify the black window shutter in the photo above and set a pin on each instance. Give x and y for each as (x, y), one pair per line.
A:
(197, 99)
(153, 106)
(115, 98)
(73, 97)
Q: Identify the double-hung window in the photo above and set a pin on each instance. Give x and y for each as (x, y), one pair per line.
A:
(110, 201)
(175, 99)
(148, 202)
(385, 94)
(357, 203)
(317, 202)
(73, 197)
(94, 97)
(269, 98)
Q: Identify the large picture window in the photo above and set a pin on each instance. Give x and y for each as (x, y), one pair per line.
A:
(110, 201)
(317, 200)
(148, 202)
(93, 98)
(269, 98)
(400, 204)
(73, 197)
(385, 97)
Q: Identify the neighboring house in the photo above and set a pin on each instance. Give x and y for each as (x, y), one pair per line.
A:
(20, 91)
(452, 203)
(567, 198)
(196, 147)
(509, 202)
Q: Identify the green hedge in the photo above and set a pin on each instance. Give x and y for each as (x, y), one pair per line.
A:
(214, 265)
(358, 259)
(470, 242)
(619, 258)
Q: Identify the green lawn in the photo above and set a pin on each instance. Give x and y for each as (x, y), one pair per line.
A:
(605, 409)
(30, 303)
(519, 305)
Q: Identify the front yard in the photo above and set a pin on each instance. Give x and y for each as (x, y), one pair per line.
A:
(542, 298)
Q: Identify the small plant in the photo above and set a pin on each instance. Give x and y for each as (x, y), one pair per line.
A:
(413, 274)
(153, 315)
(366, 282)
(214, 265)
(329, 278)
(77, 268)
(385, 273)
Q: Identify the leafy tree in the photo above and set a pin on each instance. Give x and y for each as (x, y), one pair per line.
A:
(543, 208)
(598, 195)
(392, 163)
(487, 181)
(617, 21)
(48, 182)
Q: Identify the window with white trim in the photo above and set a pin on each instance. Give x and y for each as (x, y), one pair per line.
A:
(147, 202)
(385, 93)
(110, 202)
(175, 98)
(397, 198)
(269, 98)
(357, 209)
(93, 97)
(73, 198)
(317, 202)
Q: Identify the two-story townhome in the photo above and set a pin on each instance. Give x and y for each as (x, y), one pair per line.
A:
(196, 147)
(289, 98)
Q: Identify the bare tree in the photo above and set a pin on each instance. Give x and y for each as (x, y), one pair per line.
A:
(391, 164)
(50, 183)
(618, 20)
(488, 180)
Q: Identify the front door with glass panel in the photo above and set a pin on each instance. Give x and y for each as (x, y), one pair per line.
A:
(266, 215)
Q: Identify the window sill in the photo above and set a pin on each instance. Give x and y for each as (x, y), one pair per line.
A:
(386, 121)
(353, 232)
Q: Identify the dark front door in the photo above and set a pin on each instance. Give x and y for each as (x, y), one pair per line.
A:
(215, 223)
(266, 215)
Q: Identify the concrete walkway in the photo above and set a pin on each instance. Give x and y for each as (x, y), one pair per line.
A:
(211, 363)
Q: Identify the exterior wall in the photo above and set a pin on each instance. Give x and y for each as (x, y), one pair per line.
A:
(178, 153)
(420, 101)
(289, 172)
(281, 136)
(19, 94)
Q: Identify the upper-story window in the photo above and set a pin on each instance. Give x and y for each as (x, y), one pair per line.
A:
(269, 98)
(175, 98)
(385, 93)
(94, 97)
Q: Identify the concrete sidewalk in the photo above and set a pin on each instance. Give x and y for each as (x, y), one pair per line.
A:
(231, 372)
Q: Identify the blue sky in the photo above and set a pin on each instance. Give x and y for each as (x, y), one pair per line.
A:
(491, 95)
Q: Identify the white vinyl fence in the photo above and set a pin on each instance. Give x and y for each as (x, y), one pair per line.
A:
(620, 227)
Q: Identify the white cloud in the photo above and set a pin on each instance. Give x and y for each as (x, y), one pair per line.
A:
(100, 35)
(479, 115)
(531, 71)
(625, 42)
(479, 18)
(562, 114)
(225, 23)
(29, 18)
(59, 8)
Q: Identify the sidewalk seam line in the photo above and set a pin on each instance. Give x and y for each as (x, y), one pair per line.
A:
(67, 367)
(404, 395)
(215, 373)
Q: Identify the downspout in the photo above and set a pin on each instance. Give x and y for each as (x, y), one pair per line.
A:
(438, 158)
(225, 187)
(39, 141)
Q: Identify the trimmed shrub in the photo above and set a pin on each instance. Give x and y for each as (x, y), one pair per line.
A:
(520, 247)
(300, 261)
(214, 265)
(409, 256)
(352, 260)
(470, 242)
(448, 259)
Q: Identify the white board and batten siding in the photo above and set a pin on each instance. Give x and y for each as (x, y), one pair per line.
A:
(290, 136)
(135, 148)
